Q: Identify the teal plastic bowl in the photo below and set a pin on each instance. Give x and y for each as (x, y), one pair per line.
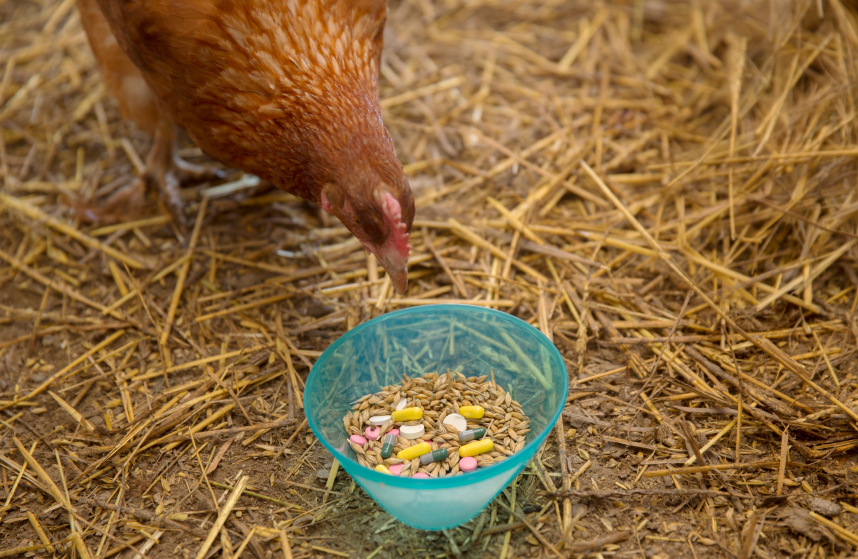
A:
(433, 338)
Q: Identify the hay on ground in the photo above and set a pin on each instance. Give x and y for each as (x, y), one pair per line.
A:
(666, 189)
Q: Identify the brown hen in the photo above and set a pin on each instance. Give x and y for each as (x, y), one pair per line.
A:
(284, 89)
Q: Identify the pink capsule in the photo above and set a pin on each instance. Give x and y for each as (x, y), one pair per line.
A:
(357, 439)
(420, 475)
(373, 434)
(468, 464)
(393, 432)
(396, 469)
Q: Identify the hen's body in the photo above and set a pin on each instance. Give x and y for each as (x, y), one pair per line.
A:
(137, 102)
(284, 89)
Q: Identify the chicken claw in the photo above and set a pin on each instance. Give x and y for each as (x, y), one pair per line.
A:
(192, 171)
(164, 170)
(123, 202)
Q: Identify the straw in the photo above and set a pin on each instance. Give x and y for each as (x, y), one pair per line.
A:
(582, 166)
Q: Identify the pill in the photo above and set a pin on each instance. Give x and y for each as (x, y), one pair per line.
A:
(468, 464)
(378, 419)
(382, 469)
(387, 445)
(434, 456)
(396, 469)
(412, 431)
(476, 447)
(393, 432)
(402, 403)
(472, 412)
(357, 439)
(471, 435)
(372, 434)
(420, 475)
(413, 452)
(456, 421)
(407, 414)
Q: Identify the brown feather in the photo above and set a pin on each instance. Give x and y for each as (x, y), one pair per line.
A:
(284, 89)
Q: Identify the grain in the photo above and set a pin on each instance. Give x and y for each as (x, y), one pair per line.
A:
(439, 395)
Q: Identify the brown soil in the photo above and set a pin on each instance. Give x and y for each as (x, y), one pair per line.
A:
(719, 234)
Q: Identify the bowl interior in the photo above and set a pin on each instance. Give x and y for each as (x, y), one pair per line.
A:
(471, 340)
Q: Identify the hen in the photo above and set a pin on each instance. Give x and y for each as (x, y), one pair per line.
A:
(284, 89)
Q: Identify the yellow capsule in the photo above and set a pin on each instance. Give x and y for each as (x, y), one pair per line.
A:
(407, 414)
(415, 451)
(381, 468)
(476, 447)
(472, 412)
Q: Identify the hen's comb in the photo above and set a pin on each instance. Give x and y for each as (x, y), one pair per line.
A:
(393, 216)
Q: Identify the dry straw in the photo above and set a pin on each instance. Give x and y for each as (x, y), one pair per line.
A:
(581, 165)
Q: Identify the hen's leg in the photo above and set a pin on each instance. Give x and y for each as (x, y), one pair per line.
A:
(137, 102)
(165, 170)
(161, 171)
(128, 201)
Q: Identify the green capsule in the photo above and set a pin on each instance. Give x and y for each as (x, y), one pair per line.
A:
(387, 446)
(434, 456)
(472, 435)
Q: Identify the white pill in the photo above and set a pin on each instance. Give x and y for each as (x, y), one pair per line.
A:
(412, 431)
(402, 404)
(456, 421)
(379, 419)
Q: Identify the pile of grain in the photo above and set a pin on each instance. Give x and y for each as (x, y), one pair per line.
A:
(439, 396)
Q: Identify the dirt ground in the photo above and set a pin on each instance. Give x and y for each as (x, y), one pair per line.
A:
(665, 189)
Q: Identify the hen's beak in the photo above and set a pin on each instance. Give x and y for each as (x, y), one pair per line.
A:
(397, 269)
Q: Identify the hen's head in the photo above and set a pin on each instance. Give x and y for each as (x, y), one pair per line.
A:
(319, 126)
(379, 214)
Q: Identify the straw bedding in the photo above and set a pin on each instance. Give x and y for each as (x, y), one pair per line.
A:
(665, 189)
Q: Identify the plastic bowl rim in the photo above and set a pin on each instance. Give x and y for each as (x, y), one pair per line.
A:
(481, 474)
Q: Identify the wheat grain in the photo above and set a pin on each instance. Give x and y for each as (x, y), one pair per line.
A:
(439, 395)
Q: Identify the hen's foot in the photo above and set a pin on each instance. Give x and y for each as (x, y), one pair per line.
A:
(124, 204)
(127, 203)
(188, 171)
(164, 170)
